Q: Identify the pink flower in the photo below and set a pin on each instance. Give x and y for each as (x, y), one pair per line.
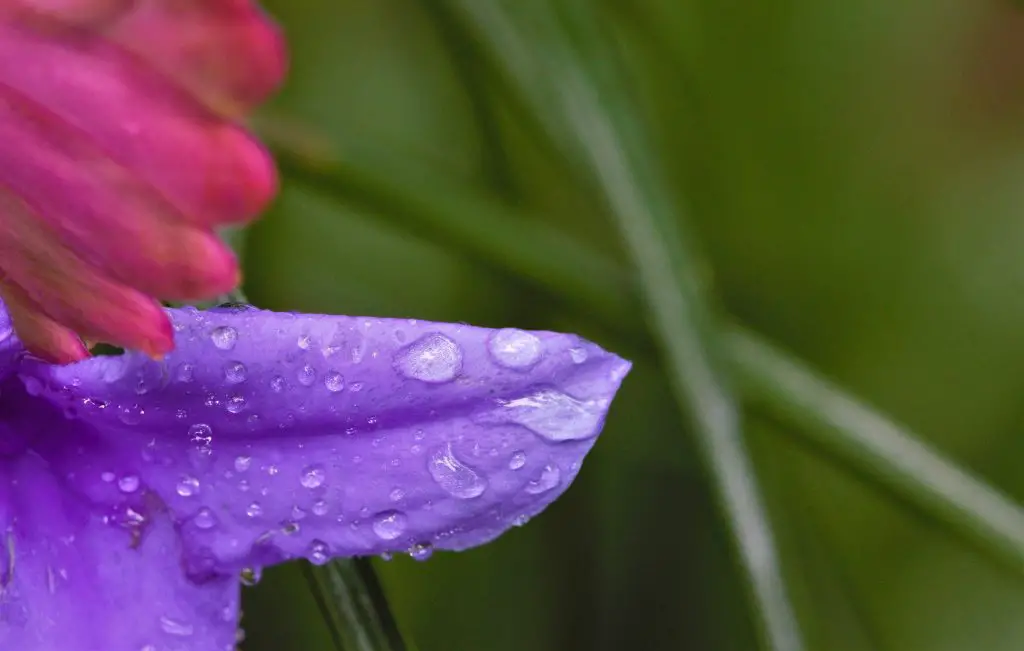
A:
(121, 153)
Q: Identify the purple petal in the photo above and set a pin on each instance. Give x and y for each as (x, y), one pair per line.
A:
(78, 574)
(273, 436)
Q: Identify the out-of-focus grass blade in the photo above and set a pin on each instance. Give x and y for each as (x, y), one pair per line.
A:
(604, 136)
(882, 450)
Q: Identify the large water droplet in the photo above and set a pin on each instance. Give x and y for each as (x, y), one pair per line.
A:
(455, 477)
(235, 372)
(553, 415)
(389, 524)
(515, 349)
(306, 375)
(224, 337)
(517, 461)
(187, 486)
(431, 358)
(548, 478)
(334, 381)
(318, 553)
(205, 518)
(312, 476)
(176, 627)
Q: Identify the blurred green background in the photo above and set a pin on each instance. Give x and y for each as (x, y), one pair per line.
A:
(855, 178)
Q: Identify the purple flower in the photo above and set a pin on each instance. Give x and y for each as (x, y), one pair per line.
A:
(136, 493)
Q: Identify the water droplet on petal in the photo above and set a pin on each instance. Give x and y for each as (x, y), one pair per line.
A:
(236, 404)
(548, 478)
(312, 477)
(521, 520)
(389, 524)
(432, 358)
(305, 341)
(185, 372)
(235, 372)
(334, 381)
(290, 528)
(205, 518)
(515, 349)
(320, 508)
(108, 476)
(306, 375)
(455, 477)
(128, 483)
(396, 495)
(242, 463)
(130, 414)
(421, 551)
(187, 486)
(517, 461)
(176, 627)
(578, 355)
(553, 415)
(319, 552)
(277, 384)
(254, 510)
(224, 337)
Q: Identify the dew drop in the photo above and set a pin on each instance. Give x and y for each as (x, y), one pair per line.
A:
(520, 520)
(235, 372)
(432, 358)
(130, 414)
(396, 495)
(200, 435)
(175, 627)
(205, 518)
(107, 476)
(236, 404)
(187, 486)
(306, 375)
(242, 463)
(224, 337)
(517, 461)
(320, 508)
(553, 415)
(290, 528)
(128, 483)
(421, 551)
(389, 524)
(318, 553)
(277, 384)
(334, 381)
(254, 510)
(312, 477)
(185, 372)
(578, 355)
(515, 349)
(455, 477)
(548, 478)
(304, 342)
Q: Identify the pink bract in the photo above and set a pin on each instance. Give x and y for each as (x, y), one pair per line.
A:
(123, 151)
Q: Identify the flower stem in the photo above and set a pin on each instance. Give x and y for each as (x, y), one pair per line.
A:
(354, 606)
